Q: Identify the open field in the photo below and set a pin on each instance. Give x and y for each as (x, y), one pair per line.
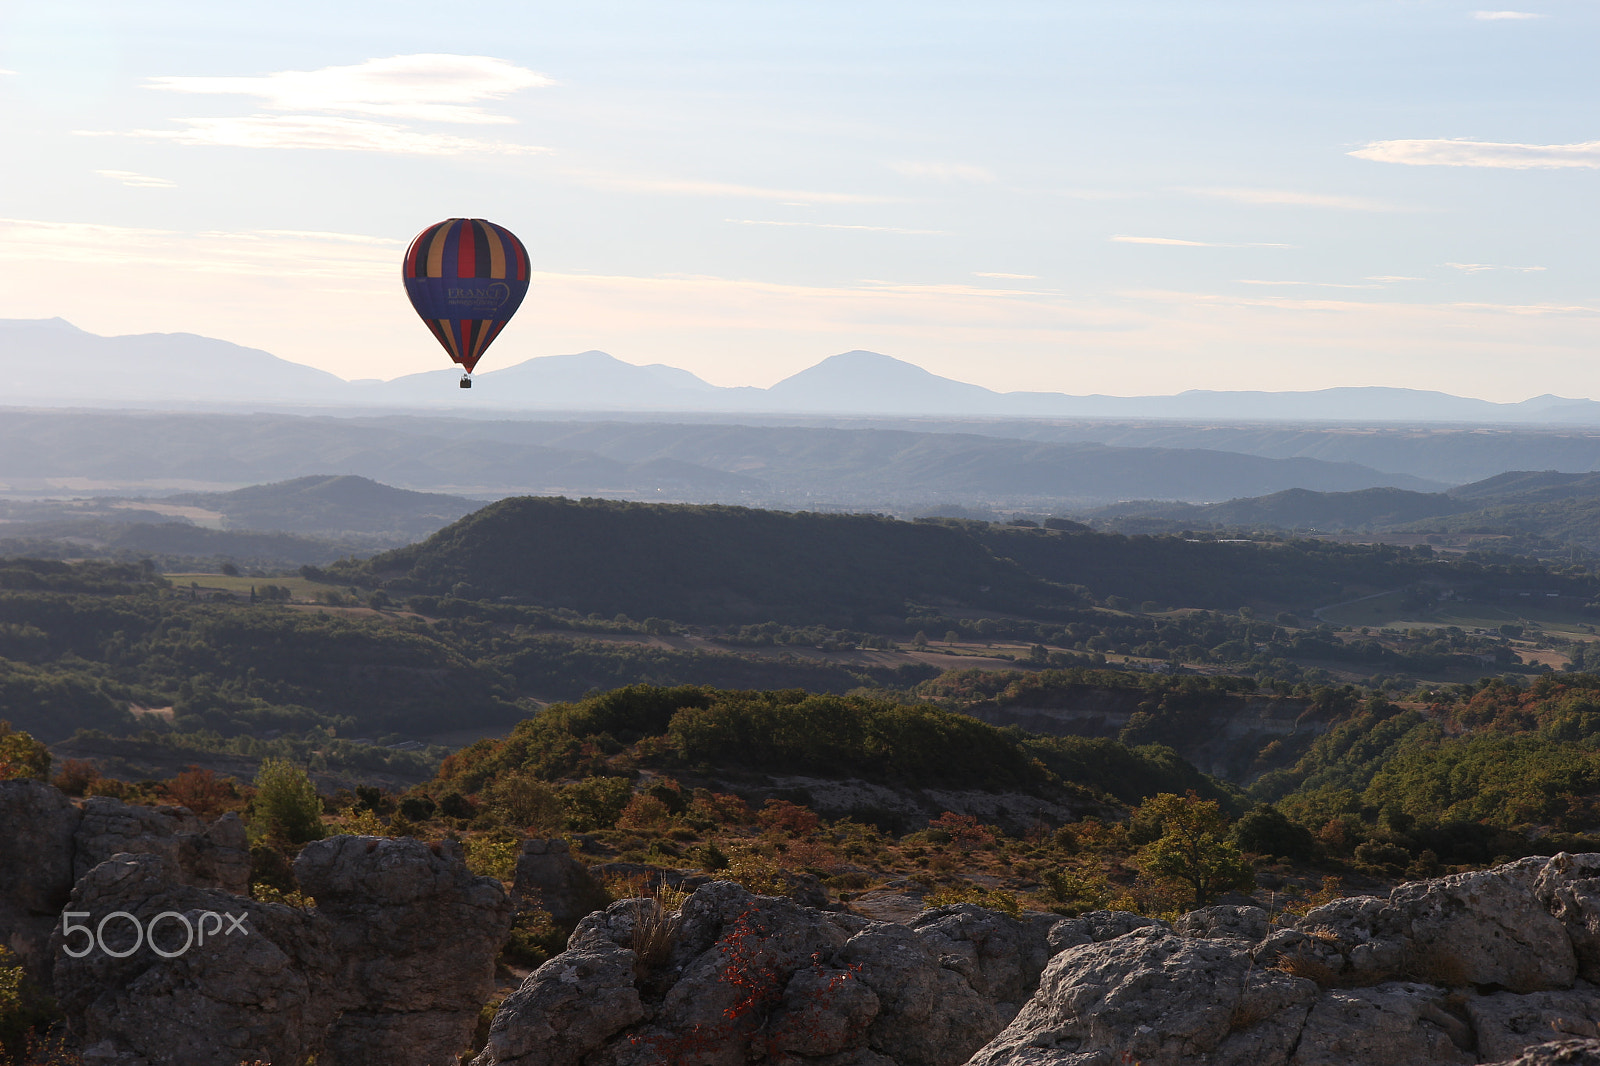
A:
(300, 588)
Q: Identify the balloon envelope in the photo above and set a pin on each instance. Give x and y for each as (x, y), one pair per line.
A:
(466, 277)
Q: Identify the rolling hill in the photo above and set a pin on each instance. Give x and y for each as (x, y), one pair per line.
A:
(709, 564)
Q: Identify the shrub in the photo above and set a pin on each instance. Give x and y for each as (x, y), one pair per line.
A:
(1265, 831)
(644, 812)
(285, 809)
(494, 857)
(21, 755)
(784, 817)
(522, 801)
(201, 792)
(595, 802)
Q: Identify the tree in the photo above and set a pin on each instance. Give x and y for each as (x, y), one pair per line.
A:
(1266, 831)
(21, 755)
(286, 808)
(1192, 848)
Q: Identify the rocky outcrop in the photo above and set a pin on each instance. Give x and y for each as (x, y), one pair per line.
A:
(256, 992)
(391, 966)
(415, 934)
(47, 843)
(549, 878)
(1471, 968)
(37, 825)
(734, 978)
(207, 855)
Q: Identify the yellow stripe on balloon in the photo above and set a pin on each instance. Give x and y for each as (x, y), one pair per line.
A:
(436, 252)
(497, 253)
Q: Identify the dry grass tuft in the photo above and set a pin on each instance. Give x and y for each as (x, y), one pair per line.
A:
(655, 930)
(1302, 965)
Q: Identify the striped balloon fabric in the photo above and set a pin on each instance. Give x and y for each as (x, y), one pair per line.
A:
(466, 277)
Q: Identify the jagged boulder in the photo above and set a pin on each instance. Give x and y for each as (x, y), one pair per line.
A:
(1505, 1022)
(1485, 928)
(1390, 1023)
(549, 878)
(37, 824)
(253, 990)
(1161, 998)
(207, 855)
(1569, 887)
(47, 843)
(1469, 968)
(735, 978)
(1558, 1053)
(1000, 957)
(416, 934)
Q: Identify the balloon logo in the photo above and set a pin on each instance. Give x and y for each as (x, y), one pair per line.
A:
(466, 277)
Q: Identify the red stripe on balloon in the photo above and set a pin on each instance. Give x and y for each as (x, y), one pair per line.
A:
(466, 252)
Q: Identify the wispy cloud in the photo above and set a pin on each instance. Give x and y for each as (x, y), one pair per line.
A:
(362, 107)
(1479, 268)
(1500, 16)
(1461, 153)
(694, 187)
(429, 87)
(943, 171)
(1310, 284)
(1291, 198)
(836, 225)
(1394, 277)
(322, 132)
(1123, 238)
(1005, 277)
(137, 181)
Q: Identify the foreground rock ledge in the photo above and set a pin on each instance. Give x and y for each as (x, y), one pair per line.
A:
(1487, 967)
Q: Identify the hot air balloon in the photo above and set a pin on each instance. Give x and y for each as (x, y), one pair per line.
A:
(466, 277)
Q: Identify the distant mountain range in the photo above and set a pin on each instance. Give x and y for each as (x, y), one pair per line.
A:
(132, 453)
(49, 362)
(1532, 509)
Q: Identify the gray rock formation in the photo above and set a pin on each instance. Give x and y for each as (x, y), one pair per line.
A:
(37, 824)
(47, 843)
(415, 934)
(1470, 968)
(735, 978)
(549, 878)
(241, 995)
(1558, 1053)
(207, 855)
(392, 966)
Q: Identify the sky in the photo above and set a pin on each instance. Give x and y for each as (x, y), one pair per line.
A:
(1130, 198)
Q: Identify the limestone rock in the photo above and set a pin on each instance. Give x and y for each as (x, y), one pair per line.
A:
(417, 934)
(1569, 886)
(1391, 1023)
(215, 855)
(1000, 956)
(1234, 923)
(37, 823)
(1095, 926)
(743, 979)
(1558, 1053)
(566, 1009)
(549, 878)
(1506, 1023)
(1485, 928)
(1156, 997)
(250, 992)
(1359, 938)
